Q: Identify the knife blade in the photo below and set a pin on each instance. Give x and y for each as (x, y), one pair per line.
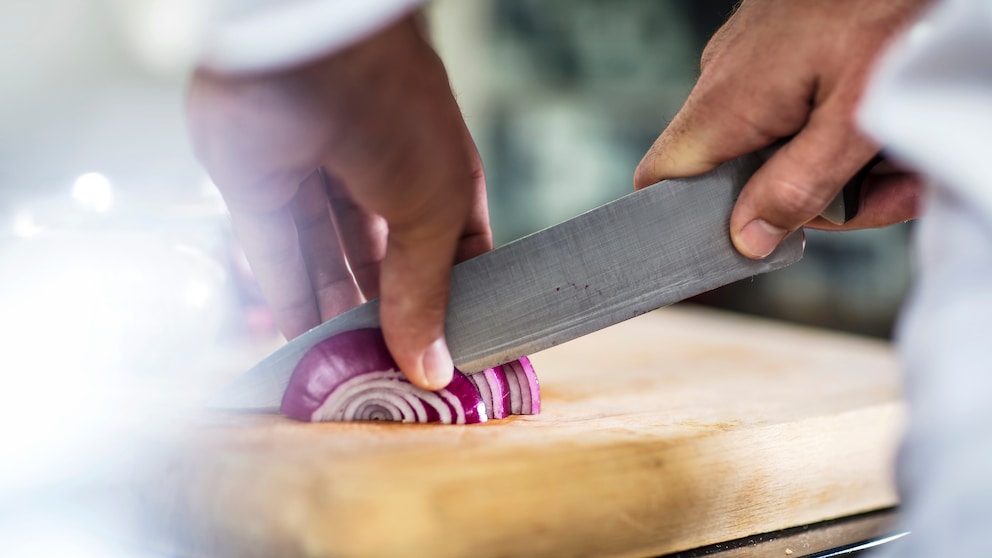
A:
(648, 249)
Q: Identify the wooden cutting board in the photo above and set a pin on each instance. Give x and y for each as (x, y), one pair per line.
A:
(681, 428)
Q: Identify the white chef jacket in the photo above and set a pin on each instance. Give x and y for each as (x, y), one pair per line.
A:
(264, 35)
(930, 104)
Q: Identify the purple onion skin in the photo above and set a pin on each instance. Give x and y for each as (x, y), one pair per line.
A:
(352, 353)
(329, 363)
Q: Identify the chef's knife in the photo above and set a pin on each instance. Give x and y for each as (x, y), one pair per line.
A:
(648, 249)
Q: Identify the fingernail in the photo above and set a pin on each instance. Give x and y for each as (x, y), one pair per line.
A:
(436, 364)
(759, 238)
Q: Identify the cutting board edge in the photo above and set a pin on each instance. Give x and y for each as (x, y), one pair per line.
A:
(885, 420)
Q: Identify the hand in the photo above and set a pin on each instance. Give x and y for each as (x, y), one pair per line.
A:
(350, 178)
(778, 69)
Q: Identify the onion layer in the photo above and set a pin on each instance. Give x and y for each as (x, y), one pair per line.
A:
(509, 389)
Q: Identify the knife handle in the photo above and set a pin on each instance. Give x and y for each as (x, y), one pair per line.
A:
(845, 206)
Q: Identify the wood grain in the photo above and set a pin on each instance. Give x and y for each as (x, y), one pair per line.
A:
(674, 430)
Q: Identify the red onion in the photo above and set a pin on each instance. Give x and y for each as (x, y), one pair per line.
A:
(525, 393)
(351, 376)
(495, 391)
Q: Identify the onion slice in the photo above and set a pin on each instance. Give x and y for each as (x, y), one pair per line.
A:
(495, 391)
(525, 391)
(351, 376)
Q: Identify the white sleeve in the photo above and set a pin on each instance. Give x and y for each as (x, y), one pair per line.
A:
(265, 35)
(930, 104)
(931, 100)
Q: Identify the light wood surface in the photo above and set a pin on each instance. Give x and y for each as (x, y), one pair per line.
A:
(671, 431)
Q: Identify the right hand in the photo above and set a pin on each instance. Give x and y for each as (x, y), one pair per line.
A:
(779, 69)
(349, 178)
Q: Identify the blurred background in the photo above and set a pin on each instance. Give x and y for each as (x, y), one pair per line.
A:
(118, 270)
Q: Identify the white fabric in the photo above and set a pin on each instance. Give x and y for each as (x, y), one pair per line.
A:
(931, 105)
(267, 35)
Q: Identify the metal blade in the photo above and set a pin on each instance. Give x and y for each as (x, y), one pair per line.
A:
(648, 249)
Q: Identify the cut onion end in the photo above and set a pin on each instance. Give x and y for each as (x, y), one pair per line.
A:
(352, 377)
(494, 390)
(525, 391)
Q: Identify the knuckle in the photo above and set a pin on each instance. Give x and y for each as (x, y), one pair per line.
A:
(471, 245)
(413, 319)
(367, 272)
(292, 306)
(710, 52)
(312, 220)
(334, 279)
(278, 255)
(798, 200)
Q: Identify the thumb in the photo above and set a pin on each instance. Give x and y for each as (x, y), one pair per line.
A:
(796, 185)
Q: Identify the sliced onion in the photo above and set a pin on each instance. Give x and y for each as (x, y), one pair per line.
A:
(351, 376)
(525, 391)
(495, 391)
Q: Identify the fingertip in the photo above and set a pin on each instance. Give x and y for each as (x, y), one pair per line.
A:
(436, 365)
(663, 160)
(651, 169)
(758, 239)
(644, 174)
(675, 156)
(429, 367)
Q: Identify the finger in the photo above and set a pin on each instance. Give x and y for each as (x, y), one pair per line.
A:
(415, 279)
(408, 164)
(447, 220)
(477, 238)
(330, 280)
(270, 242)
(722, 120)
(426, 213)
(797, 184)
(887, 199)
(362, 235)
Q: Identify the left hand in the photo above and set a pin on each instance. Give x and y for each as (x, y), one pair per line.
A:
(348, 178)
(778, 69)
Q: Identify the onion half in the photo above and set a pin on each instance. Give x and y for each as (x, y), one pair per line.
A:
(351, 376)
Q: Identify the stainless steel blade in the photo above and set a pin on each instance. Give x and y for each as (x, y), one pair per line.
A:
(648, 249)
